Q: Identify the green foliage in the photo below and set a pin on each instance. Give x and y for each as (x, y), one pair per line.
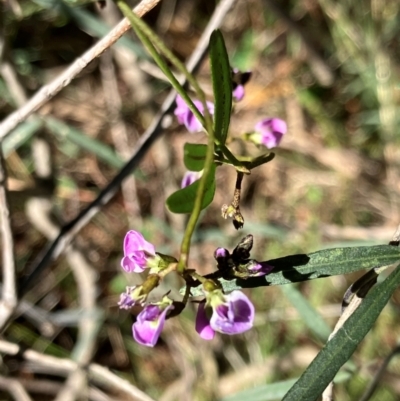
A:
(324, 263)
(309, 315)
(340, 348)
(194, 156)
(222, 86)
(182, 201)
(102, 151)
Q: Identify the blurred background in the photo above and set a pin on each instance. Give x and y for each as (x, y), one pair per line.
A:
(329, 68)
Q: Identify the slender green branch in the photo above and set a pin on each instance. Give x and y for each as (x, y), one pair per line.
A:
(185, 247)
(148, 37)
(152, 41)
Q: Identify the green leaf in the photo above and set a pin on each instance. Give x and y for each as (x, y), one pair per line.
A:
(64, 131)
(182, 201)
(266, 392)
(21, 135)
(324, 263)
(308, 313)
(222, 85)
(194, 156)
(96, 27)
(274, 391)
(338, 350)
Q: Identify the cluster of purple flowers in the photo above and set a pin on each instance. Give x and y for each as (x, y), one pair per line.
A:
(268, 132)
(224, 313)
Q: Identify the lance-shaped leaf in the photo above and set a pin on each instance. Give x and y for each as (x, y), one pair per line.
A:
(194, 156)
(182, 201)
(324, 263)
(340, 348)
(222, 85)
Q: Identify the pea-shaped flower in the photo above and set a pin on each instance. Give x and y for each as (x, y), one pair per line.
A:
(239, 79)
(268, 132)
(203, 326)
(137, 252)
(230, 314)
(132, 296)
(190, 177)
(150, 322)
(185, 115)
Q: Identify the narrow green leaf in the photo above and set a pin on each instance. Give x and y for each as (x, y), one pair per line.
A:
(308, 313)
(21, 134)
(182, 201)
(96, 27)
(194, 156)
(103, 152)
(266, 392)
(222, 85)
(324, 263)
(274, 391)
(153, 42)
(337, 351)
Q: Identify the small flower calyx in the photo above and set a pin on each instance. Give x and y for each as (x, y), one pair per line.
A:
(160, 262)
(132, 296)
(238, 264)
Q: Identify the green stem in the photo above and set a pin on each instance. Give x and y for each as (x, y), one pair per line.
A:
(228, 154)
(185, 246)
(198, 277)
(150, 40)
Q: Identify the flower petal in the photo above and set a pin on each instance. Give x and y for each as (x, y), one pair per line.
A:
(136, 252)
(234, 316)
(149, 324)
(203, 323)
(189, 178)
(238, 93)
(270, 131)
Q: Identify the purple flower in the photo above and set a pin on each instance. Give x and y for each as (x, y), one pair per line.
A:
(189, 178)
(238, 93)
(136, 252)
(239, 79)
(186, 117)
(234, 316)
(221, 254)
(131, 296)
(269, 132)
(150, 322)
(203, 323)
(231, 314)
(259, 269)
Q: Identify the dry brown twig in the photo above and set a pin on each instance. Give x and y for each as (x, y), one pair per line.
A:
(49, 91)
(38, 211)
(9, 290)
(61, 366)
(15, 388)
